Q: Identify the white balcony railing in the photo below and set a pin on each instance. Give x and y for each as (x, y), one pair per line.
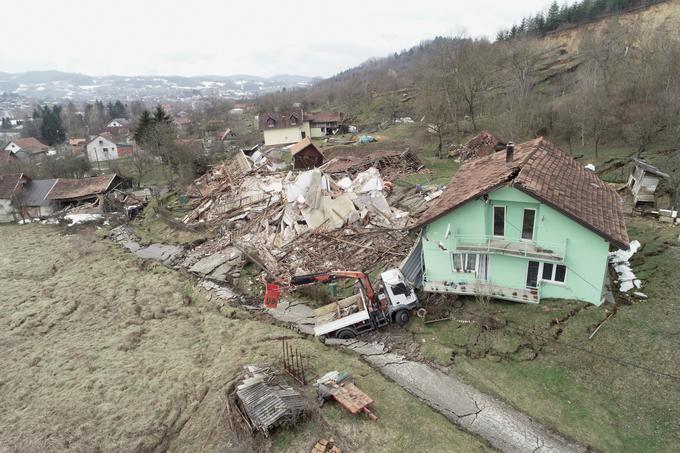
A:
(525, 295)
(553, 251)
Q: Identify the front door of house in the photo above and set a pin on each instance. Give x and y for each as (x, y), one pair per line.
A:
(532, 274)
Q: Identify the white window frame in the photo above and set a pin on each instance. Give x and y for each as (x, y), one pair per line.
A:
(493, 220)
(465, 261)
(533, 227)
(540, 278)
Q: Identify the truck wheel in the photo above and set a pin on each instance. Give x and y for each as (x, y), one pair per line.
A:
(402, 317)
(457, 302)
(346, 334)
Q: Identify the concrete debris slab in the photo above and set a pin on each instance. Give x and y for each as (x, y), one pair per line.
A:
(167, 254)
(208, 264)
(368, 181)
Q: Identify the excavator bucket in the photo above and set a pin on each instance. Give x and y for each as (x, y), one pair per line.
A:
(271, 295)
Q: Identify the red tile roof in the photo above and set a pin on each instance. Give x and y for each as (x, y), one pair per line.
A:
(549, 175)
(30, 144)
(281, 119)
(324, 117)
(71, 189)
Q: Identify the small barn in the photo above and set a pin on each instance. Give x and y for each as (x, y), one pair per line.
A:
(74, 191)
(643, 181)
(306, 155)
(33, 200)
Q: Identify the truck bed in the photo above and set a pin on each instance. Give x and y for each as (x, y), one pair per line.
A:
(340, 314)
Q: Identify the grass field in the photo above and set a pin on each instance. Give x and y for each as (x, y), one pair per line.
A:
(617, 392)
(100, 349)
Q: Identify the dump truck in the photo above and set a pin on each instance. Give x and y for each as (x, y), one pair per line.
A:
(360, 313)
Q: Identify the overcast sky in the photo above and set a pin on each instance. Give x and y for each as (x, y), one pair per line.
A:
(202, 37)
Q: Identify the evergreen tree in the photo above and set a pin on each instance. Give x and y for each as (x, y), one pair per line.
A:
(6, 124)
(160, 116)
(552, 20)
(51, 129)
(145, 122)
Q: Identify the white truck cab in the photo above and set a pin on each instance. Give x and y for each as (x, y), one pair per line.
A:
(398, 291)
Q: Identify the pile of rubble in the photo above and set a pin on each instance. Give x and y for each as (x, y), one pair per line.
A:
(266, 405)
(391, 164)
(341, 215)
(483, 144)
(300, 218)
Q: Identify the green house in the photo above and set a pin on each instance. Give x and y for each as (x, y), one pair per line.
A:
(522, 224)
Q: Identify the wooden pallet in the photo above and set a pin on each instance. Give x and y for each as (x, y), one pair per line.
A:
(352, 398)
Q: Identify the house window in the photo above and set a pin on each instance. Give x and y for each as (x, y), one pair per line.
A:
(499, 220)
(548, 269)
(293, 120)
(106, 150)
(271, 122)
(545, 272)
(469, 263)
(528, 224)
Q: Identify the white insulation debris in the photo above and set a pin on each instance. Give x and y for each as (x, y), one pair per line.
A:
(620, 260)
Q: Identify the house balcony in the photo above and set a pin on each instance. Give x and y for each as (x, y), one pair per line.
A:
(475, 288)
(540, 250)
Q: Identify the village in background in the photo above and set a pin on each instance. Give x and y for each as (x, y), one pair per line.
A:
(482, 251)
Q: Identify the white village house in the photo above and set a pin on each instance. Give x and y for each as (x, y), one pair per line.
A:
(282, 128)
(105, 147)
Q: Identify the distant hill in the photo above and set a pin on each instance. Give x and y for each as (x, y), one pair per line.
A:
(60, 86)
(557, 55)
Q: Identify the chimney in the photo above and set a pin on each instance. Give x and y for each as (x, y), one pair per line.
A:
(509, 151)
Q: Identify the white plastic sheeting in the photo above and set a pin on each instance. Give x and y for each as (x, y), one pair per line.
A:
(76, 219)
(620, 260)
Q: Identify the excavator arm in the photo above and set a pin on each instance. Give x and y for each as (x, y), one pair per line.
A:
(273, 290)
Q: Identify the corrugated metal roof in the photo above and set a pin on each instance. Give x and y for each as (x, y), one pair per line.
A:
(269, 405)
(412, 266)
(35, 192)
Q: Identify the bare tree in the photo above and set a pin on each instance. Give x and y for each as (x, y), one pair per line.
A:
(432, 105)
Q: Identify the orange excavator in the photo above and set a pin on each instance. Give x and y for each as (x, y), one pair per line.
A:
(363, 312)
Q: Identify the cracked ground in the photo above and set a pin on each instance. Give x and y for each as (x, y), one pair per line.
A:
(102, 352)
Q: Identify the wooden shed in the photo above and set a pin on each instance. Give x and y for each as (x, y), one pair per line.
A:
(306, 155)
(643, 180)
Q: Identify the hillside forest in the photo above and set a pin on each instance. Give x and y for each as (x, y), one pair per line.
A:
(614, 83)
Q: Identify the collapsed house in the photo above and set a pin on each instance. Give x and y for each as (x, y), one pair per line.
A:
(481, 145)
(306, 221)
(391, 164)
(87, 191)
